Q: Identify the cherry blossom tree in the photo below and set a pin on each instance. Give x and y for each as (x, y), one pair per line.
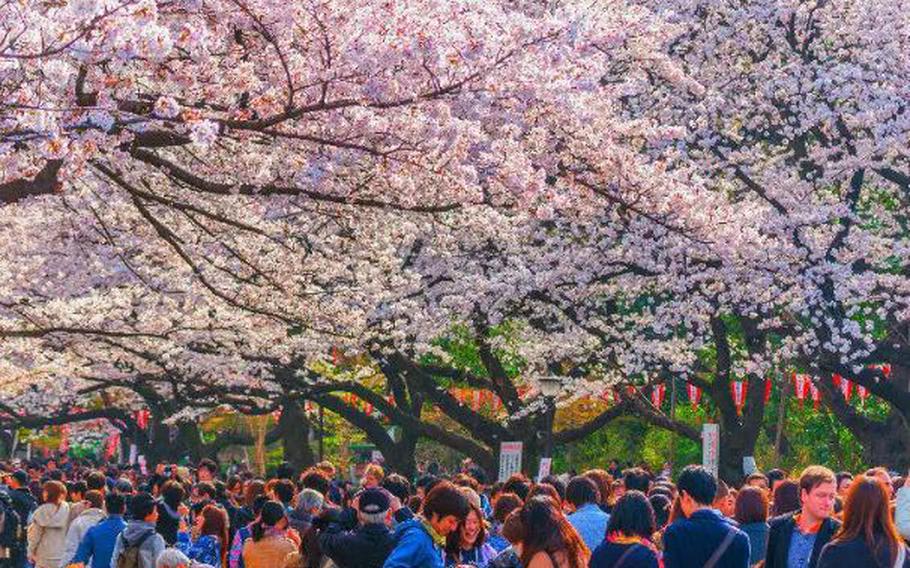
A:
(201, 198)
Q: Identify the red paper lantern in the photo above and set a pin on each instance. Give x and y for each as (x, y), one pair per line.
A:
(816, 395)
(845, 386)
(657, 395)
(738, 390)
(142, 418)
(475, 400)
(110, 447)
(802, 386)
(694, 394)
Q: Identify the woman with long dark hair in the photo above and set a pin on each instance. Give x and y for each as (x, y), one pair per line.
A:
(209, 542)
(629, 534)
(171, 510)
(467, 546)
(514, 532)
(550, 541)
(604, 482)
(868, 536)
(253, 489)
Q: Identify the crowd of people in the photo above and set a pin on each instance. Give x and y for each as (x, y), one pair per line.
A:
(60, 514)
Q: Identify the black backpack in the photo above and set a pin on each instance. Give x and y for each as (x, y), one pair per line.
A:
(10, 527)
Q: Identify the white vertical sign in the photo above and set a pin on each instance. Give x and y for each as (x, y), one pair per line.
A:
(710, 447)
(509, 459)
(544, 469)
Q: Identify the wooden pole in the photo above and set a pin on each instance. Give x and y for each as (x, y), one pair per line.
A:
(321, 434)
(672, 419)
(781, 416)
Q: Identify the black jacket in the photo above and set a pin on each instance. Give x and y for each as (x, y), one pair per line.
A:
(690, 542)
(607, 554)
(855, 553)
(168, 523)
(365, 547)
(24, 503)
(781, 532)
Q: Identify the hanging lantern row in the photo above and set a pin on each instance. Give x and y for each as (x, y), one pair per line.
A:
(805, 388)
(481, 399)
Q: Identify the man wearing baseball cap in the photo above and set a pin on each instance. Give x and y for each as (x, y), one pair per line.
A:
(368, 545)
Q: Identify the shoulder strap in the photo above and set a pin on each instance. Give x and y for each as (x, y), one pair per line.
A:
(724, 545)
(140, 541)
(625, 556)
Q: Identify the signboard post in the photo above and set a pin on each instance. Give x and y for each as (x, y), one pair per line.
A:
(509, 459)
(749, 465)
(710, 447)
(544, 469)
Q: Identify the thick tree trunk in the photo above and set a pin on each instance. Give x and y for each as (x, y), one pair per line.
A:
(295, 432)
(156, 445)
(886, 443)
(735, 444)
(401, 458)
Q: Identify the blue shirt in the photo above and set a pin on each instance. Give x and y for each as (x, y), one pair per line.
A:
(98, 543)
(591, 523)
(801, 545)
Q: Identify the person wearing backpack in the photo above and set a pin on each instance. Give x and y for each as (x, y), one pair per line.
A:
(97, 547)
(24, 503)
(702, 537)
(138, 546)
(12, 553)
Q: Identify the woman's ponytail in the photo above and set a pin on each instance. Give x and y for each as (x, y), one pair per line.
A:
(271, 514)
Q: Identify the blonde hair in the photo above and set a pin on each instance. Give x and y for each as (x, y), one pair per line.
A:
(374, 470)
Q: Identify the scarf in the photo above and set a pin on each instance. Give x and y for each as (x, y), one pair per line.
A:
(438, 540)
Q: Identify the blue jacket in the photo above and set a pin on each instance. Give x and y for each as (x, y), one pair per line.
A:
(414, 548)
(691, 542)
(98, 543)
(205, 549)
(591, 523)
(758, 540)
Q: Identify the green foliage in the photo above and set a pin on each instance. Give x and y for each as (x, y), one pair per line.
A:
(627, 440)
(464, 353)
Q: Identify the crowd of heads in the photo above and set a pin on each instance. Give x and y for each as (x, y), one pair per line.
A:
(242, 513)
